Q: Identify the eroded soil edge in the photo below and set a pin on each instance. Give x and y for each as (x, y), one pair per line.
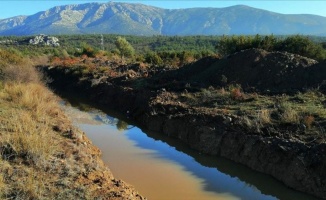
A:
(299, 164)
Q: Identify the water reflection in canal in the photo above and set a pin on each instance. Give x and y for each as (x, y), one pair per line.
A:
(163, 168)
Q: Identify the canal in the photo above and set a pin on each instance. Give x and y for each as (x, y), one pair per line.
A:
(160, 167)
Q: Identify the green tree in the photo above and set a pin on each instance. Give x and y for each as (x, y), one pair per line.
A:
(294, 44)
(88, 50)
(122, 125)
(124, 47)
(303, 46)
(153, 58)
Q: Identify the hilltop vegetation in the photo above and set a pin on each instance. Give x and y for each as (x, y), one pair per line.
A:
(294, 44)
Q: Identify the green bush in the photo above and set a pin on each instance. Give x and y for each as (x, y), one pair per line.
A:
(153, 58)
(302, 46)
(296, 44)
(10, 57)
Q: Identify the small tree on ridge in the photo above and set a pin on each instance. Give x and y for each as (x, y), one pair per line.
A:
(124, 47)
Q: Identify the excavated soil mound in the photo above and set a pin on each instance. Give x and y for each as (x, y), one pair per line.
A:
(259, 70)
(275, 71)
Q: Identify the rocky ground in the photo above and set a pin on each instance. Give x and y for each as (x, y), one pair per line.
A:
(262, 109)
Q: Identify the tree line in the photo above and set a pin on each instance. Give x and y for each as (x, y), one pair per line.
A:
(296, 44)
(171, 50)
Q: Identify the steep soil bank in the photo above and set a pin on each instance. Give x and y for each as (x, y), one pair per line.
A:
(286, 152)
(90, 171)
(43, 156)
(255, 70)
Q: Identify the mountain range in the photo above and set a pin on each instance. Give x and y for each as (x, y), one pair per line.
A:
(139, 19)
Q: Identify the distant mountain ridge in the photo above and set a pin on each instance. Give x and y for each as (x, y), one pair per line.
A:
(139, 19)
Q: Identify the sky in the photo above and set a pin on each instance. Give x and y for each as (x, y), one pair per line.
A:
(11, 8)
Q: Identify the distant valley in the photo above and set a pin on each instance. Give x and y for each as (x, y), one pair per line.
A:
(139, 19)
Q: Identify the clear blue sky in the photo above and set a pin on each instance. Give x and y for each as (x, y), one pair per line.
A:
(10, 8)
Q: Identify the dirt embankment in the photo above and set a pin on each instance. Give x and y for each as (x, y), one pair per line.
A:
(286, 151)
(255, 70)
(90, 171)
(44, 157)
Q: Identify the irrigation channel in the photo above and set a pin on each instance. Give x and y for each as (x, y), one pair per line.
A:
(160, 167)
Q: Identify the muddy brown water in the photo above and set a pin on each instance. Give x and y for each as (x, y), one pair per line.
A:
(164, 168)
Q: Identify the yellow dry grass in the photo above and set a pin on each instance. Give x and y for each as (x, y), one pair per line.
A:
(26, 136)
(3, 187)
(28, 144)
(40, 155)
(32, 97)
(264, 116)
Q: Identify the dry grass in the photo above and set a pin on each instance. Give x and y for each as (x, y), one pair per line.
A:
(26, 136)
(20, 73)
(40, 157)
(264, 116)
(3, 187)
(304, 109)
(288, 114)
(4, 166)
(14, 67)
(31, 184)
(31, 164)
(290, 117)
(27, 141)
(31, 96)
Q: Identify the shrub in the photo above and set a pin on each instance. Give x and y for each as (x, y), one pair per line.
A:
(10, 57)
(124, 47)
(20, 74)
(88, 50)
(294, 44)
(303, 46)
(264, 116)
(205, 94)
(289, 115)
(236, 94)
(308, 121)
(153, 58)
(15, 68)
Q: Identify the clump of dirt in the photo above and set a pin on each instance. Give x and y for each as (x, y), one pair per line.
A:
(275, 71)
(259, 70)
